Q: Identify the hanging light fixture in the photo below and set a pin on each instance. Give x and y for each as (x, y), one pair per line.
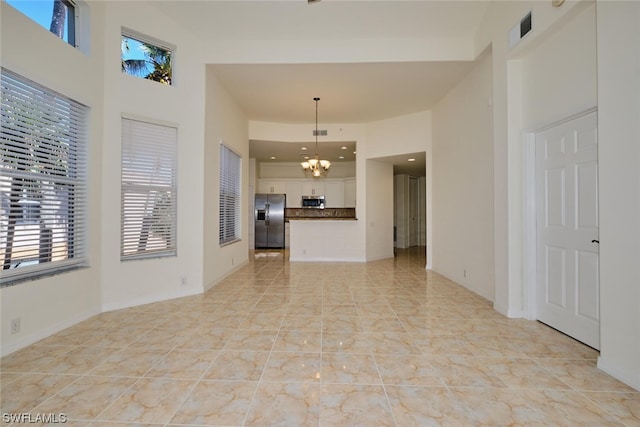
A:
(315, 167)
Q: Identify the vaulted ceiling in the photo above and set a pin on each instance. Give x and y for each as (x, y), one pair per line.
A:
(274, 89)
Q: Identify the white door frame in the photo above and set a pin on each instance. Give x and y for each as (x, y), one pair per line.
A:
(530, 239)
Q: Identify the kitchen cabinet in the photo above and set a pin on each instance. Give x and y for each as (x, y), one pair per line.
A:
(294, 193)
(272, 186)
(350, 193)
(334, 193)
(339, 192)
(313, 187)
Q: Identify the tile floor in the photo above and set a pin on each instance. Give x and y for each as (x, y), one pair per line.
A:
(379, 344)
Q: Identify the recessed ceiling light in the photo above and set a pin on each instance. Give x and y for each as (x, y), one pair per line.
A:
(411, 160)
(304, 148)
(341, 157)
(354, 152)
(306, 157)
(273, 157)
(343, 147)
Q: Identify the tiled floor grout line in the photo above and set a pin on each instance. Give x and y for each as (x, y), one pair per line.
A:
(259, 381)
(138, 378)
(193, 387)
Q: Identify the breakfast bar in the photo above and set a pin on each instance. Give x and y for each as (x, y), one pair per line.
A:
(322, 234)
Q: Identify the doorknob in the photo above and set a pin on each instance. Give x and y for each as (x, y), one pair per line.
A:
(595, 241)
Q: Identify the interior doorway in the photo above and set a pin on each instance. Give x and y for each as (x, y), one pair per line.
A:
(409, 211)
(564, 260)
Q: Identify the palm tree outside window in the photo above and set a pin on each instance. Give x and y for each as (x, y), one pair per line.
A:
(58, 16)
(145, 59)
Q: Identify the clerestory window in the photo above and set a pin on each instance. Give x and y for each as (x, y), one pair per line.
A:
(146, 58)
(57, 16)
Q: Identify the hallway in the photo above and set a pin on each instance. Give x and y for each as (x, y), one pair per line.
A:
(316, 344)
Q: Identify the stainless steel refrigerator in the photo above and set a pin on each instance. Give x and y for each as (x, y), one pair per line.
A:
(269, 219)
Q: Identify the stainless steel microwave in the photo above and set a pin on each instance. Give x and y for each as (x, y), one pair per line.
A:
(313, 202)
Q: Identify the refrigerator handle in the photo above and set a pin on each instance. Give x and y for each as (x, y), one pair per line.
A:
(267, 215)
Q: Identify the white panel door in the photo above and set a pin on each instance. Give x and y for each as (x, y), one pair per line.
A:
(567, 229)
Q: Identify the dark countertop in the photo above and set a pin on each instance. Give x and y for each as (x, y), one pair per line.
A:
(319, 218)
(320, 214)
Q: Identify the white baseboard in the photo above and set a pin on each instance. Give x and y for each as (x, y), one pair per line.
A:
(148, 300)
(632, 379)
(224, 276)
(461, 281)
(46, 332)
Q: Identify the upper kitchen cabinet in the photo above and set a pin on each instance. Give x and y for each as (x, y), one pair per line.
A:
(338, 192)
(313, 187)
(350, 193)
(294, 194)
(334, 193)
(272, 187)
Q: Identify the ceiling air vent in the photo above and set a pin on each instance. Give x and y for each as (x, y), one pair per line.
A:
(520, 30)
(322, 132)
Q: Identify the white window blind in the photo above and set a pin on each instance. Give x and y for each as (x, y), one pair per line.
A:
(229, 195)
(149, 189)
(43, 162)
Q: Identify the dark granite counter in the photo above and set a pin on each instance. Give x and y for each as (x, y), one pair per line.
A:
(320, 214)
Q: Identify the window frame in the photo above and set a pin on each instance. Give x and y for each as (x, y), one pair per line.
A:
(72, 20)
(230, 189)
(137, 182)
(51, 132)
(157, 43)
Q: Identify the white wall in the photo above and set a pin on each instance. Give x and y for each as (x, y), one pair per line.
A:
(463, 182)
(570, 51)
(268, 131)
(399, 135)
(52, 303)
(379, 221)
(227, 123)
(619, 181)
(182, 104)
(293, 170)
(507, 130)
(411, 133)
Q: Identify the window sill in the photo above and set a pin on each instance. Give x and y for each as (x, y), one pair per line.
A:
(231, 242)
(39, 276)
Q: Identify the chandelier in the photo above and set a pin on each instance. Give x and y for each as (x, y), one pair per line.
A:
(315, 167)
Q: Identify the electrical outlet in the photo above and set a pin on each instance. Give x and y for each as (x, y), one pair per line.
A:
(15, 326)
(183, 281)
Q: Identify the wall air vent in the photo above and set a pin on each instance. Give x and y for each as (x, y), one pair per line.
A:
(520, 30)
(321, 132)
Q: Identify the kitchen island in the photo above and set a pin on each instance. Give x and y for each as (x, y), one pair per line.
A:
(329, 234)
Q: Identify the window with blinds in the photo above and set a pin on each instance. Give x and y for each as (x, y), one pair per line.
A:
(43, 180)
(229, 196)
(149, 190)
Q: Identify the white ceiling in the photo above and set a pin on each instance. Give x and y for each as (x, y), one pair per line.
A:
(353, 92)
(349, 93)
(328, 19)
